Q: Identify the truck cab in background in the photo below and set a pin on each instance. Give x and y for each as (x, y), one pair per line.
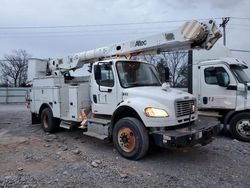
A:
(222, 85)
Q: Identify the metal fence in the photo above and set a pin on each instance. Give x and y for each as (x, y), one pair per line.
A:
(12, 95)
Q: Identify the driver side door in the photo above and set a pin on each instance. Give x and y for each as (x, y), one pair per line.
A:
(212, 94)
(103, 89)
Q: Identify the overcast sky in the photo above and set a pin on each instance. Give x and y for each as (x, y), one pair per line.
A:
(54, 42)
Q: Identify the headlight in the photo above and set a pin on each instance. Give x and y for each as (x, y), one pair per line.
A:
(193, 108)
(155, 112)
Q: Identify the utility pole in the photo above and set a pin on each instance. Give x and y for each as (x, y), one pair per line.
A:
(7, 91)
(190, 71)
(223, 25)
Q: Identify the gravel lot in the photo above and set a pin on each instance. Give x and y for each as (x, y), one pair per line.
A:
(31, 158)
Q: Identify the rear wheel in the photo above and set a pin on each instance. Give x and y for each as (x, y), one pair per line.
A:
(240, 126)
(130, 138)
(48, 122)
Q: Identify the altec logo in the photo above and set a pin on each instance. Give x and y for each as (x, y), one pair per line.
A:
(140, 43)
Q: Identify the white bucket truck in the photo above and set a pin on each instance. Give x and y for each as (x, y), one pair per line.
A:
(122, 100)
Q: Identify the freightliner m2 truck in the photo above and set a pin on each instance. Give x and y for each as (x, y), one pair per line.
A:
(123, 99)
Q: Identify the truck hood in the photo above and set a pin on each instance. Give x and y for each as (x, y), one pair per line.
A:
(140, 98)
(157, 93)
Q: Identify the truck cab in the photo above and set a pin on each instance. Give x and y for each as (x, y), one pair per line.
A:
(223, 86)
(136, 85)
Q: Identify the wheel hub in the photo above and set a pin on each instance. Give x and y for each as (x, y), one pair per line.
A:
(45, 121)
(243, 127)
(246, 128)
(126, 139)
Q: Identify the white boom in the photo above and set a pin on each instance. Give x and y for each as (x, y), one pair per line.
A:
(192, 35)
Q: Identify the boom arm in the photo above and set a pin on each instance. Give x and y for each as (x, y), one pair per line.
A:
(192, 35)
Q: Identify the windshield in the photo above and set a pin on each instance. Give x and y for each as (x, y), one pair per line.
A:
(240, 74)
(134, 74)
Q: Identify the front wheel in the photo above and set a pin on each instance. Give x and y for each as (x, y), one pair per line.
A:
(130, 138)
(240, 126)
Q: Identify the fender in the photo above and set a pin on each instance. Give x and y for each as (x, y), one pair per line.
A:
(229, 116)
(44, 105)
(138, 105)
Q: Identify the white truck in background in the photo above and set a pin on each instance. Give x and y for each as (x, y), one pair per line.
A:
(221, 85)
(122, 100)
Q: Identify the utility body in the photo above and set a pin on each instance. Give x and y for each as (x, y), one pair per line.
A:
(221, 85)
(122, 100)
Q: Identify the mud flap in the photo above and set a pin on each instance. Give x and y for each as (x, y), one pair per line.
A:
(35, 119)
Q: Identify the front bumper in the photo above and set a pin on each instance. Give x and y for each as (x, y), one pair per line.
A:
(187, 136)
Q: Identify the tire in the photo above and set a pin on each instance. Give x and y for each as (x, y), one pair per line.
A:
(130, 138)
(240, 126)
(48, 122)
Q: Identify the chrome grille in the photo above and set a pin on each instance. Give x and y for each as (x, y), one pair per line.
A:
(184, 107)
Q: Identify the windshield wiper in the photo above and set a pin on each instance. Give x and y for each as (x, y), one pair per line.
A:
(154, 84)
(140, 84)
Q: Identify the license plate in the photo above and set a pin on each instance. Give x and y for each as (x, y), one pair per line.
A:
(166, 138)
(198, 135)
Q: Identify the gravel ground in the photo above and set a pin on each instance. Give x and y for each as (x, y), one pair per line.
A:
(31, 158)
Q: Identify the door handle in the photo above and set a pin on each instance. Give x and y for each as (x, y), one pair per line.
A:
(204, 100)
(95, 99)
(105, 90)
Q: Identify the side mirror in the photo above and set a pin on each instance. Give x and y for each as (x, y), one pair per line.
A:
(221, 80)
(97, 72)
(241, 87)
(167, 74)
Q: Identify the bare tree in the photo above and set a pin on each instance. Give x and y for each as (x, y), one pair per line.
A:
(177, 64)
(153, 59)
(161, 68)
(14, 68)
